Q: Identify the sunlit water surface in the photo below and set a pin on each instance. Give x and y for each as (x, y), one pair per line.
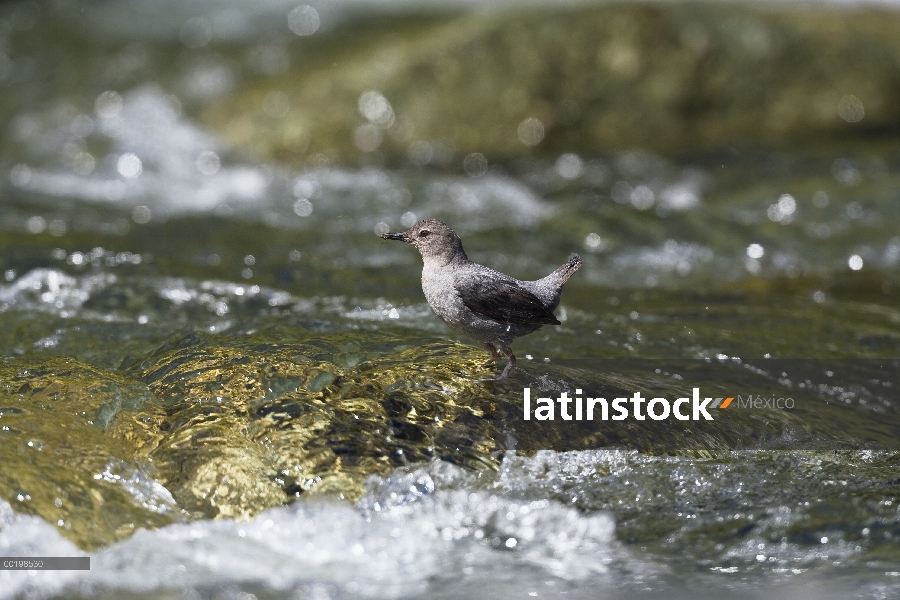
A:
(130, 231)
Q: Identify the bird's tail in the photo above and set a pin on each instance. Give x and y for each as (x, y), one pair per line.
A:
(562, 274)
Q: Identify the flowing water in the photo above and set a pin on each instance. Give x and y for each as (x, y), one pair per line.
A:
(219, 382)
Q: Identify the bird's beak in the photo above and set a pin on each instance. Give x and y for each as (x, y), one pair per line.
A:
(395, 236)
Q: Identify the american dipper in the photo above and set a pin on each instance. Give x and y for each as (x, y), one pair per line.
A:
(479, 302)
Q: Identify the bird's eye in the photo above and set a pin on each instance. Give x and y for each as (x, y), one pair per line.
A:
(424, 233)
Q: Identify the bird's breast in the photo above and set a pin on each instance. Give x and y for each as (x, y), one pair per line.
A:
(440, 292)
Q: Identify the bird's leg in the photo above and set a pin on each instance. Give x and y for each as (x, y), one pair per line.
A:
(495, 356)
(510, 361)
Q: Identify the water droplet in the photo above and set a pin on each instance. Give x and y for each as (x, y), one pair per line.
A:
(36, 224)
(475, 164)
(208, 162)
(569, 166)
(642, 197)
(303, 207)
(408, 219)
(594, 242)
(108, 104)
(851, 109)
(531, 131)
(129, 165)
(141, 214)
(304, 20)
(376, 108)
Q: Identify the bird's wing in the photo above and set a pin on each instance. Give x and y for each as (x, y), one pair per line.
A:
(502, 299)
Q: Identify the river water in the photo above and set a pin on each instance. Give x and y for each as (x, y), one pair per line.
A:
(219, 382)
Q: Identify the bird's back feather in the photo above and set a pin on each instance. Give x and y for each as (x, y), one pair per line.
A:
(503, 299)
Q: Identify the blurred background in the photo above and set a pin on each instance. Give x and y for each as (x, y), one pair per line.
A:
(675, 144)
(198, 318)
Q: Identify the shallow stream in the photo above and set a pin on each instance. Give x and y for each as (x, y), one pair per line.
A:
(218, 381)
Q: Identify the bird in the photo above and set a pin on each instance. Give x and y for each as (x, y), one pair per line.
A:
(477, 301)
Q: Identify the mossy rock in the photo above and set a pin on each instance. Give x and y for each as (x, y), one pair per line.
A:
(59, 463)
(249, 424)
(669, 78)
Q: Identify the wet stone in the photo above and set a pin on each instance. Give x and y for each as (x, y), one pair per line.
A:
(57, 461)
(247, 426)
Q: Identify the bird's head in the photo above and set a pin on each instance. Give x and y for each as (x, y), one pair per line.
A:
(433, 239)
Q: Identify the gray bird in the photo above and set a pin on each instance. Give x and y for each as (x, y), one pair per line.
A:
(479, 302)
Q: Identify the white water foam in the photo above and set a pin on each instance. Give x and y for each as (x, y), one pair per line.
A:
(51, 290)
(422, 529)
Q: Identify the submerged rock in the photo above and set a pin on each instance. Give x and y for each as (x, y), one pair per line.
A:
(249, 423)
(245, 422)
(671, 78)
(226, 426)
(57, 462)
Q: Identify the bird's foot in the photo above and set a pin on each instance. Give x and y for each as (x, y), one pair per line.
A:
(495, 356)
(510, 363)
